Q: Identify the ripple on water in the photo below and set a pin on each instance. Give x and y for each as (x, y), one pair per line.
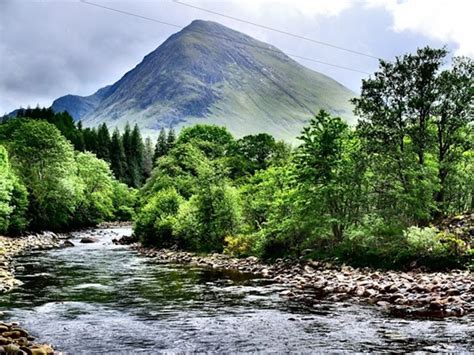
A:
(96, 298)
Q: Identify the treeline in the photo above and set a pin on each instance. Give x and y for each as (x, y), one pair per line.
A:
(46, 184)
(365, 195)
(129, 155)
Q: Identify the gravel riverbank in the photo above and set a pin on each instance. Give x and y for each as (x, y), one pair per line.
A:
(13, 338)
(415, 293)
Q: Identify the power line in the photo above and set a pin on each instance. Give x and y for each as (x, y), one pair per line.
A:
(277, 30)
(267, 48)
(131, 14)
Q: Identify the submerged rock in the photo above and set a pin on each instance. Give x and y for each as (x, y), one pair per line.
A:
(88, 240)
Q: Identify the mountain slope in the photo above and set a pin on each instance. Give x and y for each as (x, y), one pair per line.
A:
(208, 73)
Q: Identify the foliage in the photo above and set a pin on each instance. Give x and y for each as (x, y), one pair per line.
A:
(212, 140)
(98, 191)
(49, 186)
(154, 223)
(44, 160)
(124, 201)
(13, 198)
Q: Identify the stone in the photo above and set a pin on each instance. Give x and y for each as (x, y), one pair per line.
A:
(89, 240)
(67, 244)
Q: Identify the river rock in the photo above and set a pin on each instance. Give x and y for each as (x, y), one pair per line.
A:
(67, 244)
(88, 240)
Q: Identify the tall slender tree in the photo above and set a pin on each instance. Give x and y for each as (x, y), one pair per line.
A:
(161, 147)
(171, 139)
(118, 159)
(103, 142)
(148, 158)
(137, 152)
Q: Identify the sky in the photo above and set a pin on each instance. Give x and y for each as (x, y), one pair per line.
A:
(52, 48)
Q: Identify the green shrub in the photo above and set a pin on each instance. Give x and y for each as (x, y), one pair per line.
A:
(154, 223)
(208, 217)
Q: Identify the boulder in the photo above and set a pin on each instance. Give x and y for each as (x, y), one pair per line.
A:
(88, 240)
(67, 244)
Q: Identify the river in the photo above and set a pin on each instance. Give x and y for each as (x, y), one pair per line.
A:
(103, 298)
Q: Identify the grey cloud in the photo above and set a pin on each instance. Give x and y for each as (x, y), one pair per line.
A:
(49, 49)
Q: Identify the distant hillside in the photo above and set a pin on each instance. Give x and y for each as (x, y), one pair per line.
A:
(208, 73)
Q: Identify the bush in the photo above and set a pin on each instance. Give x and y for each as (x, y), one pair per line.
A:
(124, 201)
(154, 223)
(208, 217)
(240, 245)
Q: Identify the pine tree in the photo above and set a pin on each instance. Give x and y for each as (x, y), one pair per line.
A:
(148, 158)
(137, 151)
(117, 156)
(127, 147)
(171, 140)
(90, 139)
(161, 147)
(78, 142)
(103, 142)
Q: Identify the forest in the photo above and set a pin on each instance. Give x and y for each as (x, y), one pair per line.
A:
(365, 195)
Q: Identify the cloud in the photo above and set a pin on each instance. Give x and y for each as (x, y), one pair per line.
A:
(52, 48)
(443, 20)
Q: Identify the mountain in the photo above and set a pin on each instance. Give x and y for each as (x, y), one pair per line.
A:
(208, 73)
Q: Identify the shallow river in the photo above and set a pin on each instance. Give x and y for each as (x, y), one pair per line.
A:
(102, 298)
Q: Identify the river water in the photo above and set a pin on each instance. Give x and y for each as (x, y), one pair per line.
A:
(102, 298)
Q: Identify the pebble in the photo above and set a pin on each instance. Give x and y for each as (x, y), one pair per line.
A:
(415, 293)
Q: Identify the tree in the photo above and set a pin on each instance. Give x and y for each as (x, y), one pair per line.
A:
(117, 156)
(453, 121)
(402, 107)
(161, 147)
(251, 153)
(44, 160)
(13, 198)
(212, 214)
(148, 158)
(136, 158)
(103, 143)
(213, 140)
(330, 172)
(171, 139)
(127, 148)
(96, 204)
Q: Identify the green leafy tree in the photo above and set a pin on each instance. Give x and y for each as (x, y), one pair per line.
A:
(330, 170)
(453, 119)
(211, 215)
(13, 198)
(96, 204)
(213, 140)
(44, 160)
(154, 223)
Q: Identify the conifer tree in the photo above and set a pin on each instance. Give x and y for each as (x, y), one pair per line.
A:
(117, 156)
(136, 158)
(103, 142)
(148, 158)
(171, 140)
(161, 147)
(127, 147)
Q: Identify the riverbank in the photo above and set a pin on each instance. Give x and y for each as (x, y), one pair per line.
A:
(13, 338)
(14, 246)
(406, 294)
